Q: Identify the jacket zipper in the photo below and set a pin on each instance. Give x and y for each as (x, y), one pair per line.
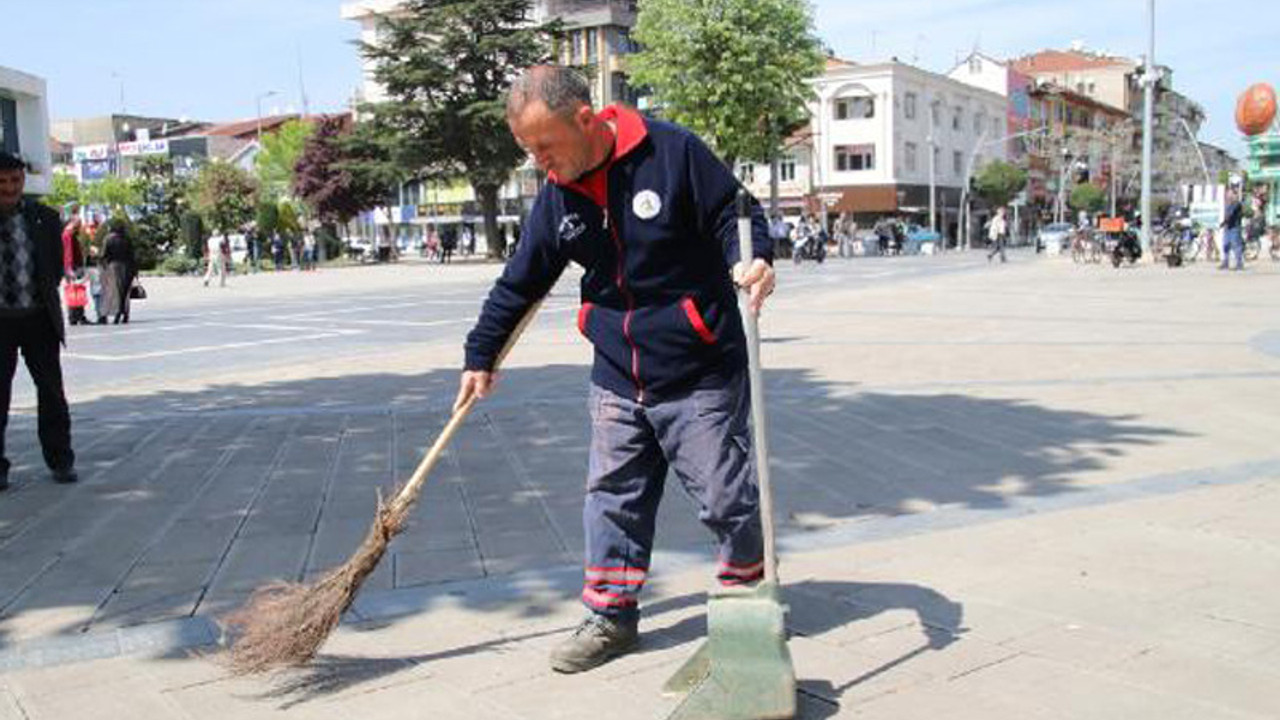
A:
(620, 281)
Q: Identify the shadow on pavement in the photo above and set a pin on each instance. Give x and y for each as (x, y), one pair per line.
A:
(191, 498)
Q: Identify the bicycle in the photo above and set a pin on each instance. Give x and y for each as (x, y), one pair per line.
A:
(1212, 253)
(1252, 248)
(1085, 247)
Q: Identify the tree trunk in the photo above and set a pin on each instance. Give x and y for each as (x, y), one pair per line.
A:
(488, 195)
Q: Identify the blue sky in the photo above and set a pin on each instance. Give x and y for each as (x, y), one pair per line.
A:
(208, 59)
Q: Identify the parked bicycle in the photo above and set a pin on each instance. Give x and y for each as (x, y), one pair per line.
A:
(1085, 247)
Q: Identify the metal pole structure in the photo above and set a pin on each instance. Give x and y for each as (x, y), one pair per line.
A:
(1204, 167)
(258, 102)
(933, 183)
(964, 189)
(1148, 103)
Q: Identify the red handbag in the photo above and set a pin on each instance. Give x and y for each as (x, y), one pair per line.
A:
(76, 295)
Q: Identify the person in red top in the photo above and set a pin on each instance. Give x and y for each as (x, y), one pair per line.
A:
(73, 237)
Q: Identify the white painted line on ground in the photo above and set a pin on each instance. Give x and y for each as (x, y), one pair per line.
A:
(212, 348)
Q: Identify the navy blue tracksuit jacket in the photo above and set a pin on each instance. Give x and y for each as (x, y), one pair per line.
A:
(656, 231)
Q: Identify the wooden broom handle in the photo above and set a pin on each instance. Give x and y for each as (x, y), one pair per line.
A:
(411, 489)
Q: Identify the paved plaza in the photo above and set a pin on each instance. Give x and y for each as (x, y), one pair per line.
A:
(1033, 490)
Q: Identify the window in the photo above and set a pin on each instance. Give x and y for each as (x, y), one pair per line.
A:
(747, 172)
(956, 117)
(910, 153)
(575, 47)
(956, 163)
(852, 158)
(9, 125)
(935, 114)
(995, 127)
(975, 65)
(978, 120)
(909, 106)
(593, 49)
(787, 168)
(857, 108)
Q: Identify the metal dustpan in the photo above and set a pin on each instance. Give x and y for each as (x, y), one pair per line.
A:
(743, 671)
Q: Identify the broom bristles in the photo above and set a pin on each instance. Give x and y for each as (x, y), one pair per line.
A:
(284, 624)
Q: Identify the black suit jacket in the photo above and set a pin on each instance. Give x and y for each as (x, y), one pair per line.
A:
(44, 227)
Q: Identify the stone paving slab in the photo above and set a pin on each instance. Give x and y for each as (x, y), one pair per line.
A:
(1083, 462)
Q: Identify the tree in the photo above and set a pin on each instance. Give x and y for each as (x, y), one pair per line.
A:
(998, 182)
(732, 71)
(445, 65)
(112, 192)
(1088, 197)
(65, 189)
(333, 176)
(161, 201)
(225, 195)
(277, 161)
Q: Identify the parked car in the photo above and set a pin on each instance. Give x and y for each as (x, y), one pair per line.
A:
(1054, 238)
(358, 248)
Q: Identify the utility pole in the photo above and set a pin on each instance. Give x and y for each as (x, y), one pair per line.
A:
(933, 184)
(1148, 102)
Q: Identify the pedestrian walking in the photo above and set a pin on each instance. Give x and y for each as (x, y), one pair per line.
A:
(118, 267)
(448, 243)
(468, 240)
(1232, 240)
(648, 210)
(309, 251)
(31, 268)
(73, 242)
(277, 251)
(217, 253)
(998, 234)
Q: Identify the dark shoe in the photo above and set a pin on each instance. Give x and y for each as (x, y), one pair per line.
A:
(65, 476)
(596, 640)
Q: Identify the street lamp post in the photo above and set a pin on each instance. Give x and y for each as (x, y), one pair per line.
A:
(933, 184)
(1148, 103)
(258, 103)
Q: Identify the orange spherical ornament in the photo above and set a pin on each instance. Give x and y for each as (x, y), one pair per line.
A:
(1255, 109)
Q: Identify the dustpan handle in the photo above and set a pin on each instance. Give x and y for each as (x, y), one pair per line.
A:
(759, 433)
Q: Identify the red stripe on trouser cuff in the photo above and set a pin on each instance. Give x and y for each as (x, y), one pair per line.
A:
(604, 599)
(695, 319)
(737, 574)
(583, 312)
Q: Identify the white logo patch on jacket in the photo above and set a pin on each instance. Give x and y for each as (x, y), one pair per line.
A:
(571, 227)
(646, 205)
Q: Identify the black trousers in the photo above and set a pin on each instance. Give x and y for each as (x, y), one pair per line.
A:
(35, 338)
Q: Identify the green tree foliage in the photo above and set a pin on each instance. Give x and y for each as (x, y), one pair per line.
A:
(275, 164)
(340, 174)
(998, 182)
(112, 192)
(1088, 197)
(226, 196)
(161, 202)
(65, 189)
(445, 65)
(732, 71)
(267, 218)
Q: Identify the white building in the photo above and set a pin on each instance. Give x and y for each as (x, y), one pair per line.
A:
(24, 125)
(872, 130)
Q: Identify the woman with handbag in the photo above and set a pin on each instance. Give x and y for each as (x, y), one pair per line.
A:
(118, 271)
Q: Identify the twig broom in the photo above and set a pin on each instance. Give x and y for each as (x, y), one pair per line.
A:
(284, 624)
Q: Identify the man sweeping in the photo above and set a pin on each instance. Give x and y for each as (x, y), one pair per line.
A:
(648, 211)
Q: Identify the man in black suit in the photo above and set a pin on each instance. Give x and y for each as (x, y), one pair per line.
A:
(31, 316)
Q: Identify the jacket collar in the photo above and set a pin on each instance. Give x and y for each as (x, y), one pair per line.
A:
(630, 132)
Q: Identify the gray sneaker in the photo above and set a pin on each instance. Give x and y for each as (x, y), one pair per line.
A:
(596, 640)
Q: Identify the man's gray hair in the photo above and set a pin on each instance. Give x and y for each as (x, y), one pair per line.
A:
(561, 89)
